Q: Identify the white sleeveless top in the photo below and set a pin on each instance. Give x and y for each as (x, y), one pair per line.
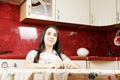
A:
(46, 57)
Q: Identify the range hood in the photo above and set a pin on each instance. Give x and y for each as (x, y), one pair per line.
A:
(14, 2)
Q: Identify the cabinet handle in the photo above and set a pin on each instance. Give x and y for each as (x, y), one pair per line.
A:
(92, 19)
(58, 14)
(29, 8)
(117, 16)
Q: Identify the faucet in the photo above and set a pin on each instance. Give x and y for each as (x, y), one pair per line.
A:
(3, 52)
(110, 53)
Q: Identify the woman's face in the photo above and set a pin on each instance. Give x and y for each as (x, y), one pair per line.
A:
(50, 37)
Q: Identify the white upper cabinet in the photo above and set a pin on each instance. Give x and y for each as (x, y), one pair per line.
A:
(72, 11)
(85, 12)
(37, 9)
(118, 11)
(102, 12)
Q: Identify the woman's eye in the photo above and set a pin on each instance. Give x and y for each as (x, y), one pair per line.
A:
(48, 33)
(55, 35)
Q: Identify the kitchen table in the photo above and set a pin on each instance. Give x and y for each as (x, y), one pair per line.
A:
(59, 74)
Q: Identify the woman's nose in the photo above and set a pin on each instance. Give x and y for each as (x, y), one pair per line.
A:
(51, 36)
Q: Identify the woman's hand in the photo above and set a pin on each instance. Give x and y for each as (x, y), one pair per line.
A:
(57, 65)
(71, 65)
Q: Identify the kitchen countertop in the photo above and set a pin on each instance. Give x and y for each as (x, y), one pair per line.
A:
(71, 57)
(12, 56)
(96, 58)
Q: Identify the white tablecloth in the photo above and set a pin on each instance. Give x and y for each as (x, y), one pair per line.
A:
(58, 74)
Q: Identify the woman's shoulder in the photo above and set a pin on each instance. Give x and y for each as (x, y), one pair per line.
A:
(63, 56)
(31, 53)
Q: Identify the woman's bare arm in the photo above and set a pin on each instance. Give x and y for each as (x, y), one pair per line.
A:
(68, 63)
(30, 65)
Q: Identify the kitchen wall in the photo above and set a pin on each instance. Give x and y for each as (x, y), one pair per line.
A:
(22, 37)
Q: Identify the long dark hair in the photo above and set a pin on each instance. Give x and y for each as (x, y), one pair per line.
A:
(41, 47)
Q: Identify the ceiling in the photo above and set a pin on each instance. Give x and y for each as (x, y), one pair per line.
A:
(14, 2)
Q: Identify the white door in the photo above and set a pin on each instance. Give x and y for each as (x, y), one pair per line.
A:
(118, 11)
(41, 10)
(72, 11)
(102, 12)
(107, 65)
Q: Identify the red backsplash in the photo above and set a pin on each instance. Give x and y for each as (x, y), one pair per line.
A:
(22, 37)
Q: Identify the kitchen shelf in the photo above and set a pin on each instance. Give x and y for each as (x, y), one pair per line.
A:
(95, 58)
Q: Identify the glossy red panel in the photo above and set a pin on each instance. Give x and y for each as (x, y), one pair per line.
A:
(20, 37)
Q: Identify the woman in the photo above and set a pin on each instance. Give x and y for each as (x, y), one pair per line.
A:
(48, 55)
